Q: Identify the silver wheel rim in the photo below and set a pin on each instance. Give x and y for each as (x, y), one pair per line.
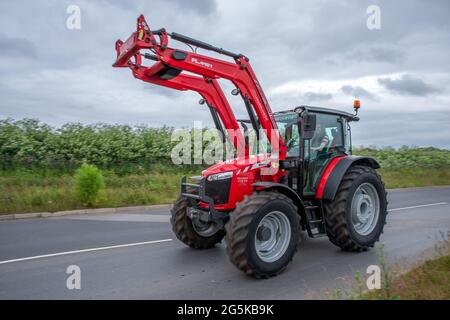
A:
(272, 236)
(365, 209)
(205, 229)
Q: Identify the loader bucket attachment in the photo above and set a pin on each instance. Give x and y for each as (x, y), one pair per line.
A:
(142, 38)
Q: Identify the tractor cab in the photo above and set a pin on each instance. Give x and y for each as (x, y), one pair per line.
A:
(329, 138)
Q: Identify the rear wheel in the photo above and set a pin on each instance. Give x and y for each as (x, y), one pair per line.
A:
(262, 234)
(357, 215)
(194, 233)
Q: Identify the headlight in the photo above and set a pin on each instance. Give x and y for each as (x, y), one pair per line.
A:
(220, 176)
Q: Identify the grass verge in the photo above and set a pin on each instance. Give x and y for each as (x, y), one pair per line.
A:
(36, 193)
(28, 191)
(415, 177)
(428, 280)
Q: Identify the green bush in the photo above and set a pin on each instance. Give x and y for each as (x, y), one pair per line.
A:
(89, 185)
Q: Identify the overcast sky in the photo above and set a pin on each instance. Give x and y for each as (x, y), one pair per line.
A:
(304, 52)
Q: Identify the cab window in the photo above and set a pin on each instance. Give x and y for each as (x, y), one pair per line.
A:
(328, 136)
(287, 124)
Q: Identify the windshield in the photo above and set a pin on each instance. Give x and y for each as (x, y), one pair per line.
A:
(287, 124)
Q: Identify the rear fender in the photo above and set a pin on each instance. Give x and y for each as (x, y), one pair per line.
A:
(334, 173)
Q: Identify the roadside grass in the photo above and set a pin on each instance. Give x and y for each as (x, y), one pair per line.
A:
(27, 192)
(415, 177)
(428, 280)
(47, 190)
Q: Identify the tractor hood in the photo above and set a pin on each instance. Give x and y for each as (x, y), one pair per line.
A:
(239, 166)
(238, 176)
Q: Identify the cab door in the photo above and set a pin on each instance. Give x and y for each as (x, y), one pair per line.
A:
(326, 144)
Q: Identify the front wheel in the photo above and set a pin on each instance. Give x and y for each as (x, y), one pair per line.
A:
(357, 215)
(262, 234)
(194, 233)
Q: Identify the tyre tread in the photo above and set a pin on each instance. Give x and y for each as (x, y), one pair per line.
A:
(180, 221)
(237, 230)
(335, 219)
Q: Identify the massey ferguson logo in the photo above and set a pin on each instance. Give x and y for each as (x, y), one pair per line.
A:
(202, 63)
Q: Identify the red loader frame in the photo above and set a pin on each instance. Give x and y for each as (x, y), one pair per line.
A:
(171, 62)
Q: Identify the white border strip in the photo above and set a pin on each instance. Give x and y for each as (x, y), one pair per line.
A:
(84, 250)
(420, 206)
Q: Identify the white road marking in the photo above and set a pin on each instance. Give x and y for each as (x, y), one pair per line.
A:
(159, 241)
(85, 250)
(420, 206)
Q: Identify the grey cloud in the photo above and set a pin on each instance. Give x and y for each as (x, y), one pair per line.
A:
(358, 92)
(317, 96)
(392, 55)
(68, 74)
(378, 53)
(408, 85)
(11, 47)
(201, 6)
(378, 129)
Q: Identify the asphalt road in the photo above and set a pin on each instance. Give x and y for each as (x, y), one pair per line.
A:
(128, 260)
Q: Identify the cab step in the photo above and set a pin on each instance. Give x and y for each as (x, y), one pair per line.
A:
(315, 225)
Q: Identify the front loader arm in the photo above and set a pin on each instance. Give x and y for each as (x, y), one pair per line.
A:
(210, 90)
(160, 74)
(171, 62)
(240, 73)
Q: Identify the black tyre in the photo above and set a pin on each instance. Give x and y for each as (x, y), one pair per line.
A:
(262, 234)
(356, 217)
(185, 229)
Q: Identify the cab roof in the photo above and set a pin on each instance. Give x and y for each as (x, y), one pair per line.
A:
(320, 110)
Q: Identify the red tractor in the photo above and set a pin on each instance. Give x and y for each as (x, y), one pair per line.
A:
(315, 183)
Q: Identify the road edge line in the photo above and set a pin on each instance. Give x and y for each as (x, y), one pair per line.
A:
(419, 206)
(64, 253)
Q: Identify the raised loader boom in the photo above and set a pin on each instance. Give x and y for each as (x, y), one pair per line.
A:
(170, 63)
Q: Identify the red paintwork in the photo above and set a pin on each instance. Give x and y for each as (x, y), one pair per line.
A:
(204, 72)
(246, 171)
(239, 72)
(326, 175)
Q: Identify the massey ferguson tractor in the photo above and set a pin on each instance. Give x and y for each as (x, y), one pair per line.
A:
(260, 203)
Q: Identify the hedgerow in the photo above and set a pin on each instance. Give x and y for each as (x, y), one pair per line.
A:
(29, 143)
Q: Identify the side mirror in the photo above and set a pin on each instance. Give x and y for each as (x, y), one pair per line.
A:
(307, 123)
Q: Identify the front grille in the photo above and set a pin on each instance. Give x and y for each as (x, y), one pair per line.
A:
(218, 190)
